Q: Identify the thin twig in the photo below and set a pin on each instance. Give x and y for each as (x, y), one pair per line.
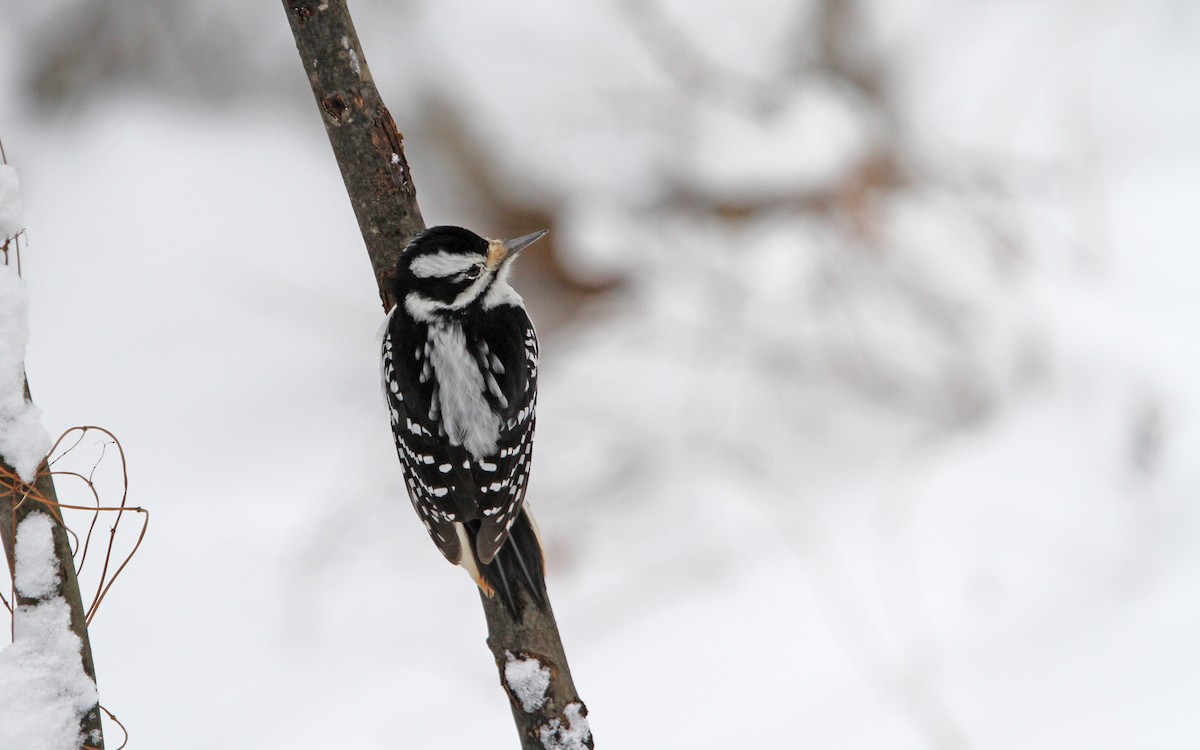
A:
(115, 720)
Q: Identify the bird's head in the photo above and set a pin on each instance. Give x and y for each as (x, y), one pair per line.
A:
(445, 271)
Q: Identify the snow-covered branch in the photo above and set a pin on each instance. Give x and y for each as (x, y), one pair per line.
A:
(48, 692)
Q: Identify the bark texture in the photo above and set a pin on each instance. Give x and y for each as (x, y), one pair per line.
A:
(368, 147)
(370, 154)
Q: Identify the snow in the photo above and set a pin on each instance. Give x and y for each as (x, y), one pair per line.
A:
(24, 442)
(572, 735)
(44, 692)
(37, 567)
(10, 203)
(527, 680)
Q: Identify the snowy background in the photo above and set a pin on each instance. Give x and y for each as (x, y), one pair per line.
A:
(869, 365)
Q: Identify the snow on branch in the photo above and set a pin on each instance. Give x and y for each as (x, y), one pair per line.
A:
(527, 680)
(44, 692)
(574, 734)
(23, 440)
(48, 696)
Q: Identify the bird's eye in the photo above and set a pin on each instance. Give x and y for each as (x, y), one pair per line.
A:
(473, 272)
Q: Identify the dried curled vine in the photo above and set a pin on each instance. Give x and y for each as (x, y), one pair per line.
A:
(29, 493)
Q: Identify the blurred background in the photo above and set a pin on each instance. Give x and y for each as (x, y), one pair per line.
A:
(869, 376)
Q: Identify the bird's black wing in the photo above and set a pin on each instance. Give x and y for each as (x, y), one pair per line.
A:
(434, 470)
(506, 349)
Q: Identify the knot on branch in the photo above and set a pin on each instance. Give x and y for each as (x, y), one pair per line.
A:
(302, 10)
(335, 106)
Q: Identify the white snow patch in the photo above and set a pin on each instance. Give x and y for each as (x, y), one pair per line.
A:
(37, 567)
(23, 440)
(528, 680)
(44, 692)
(572, 736)
(10, 203)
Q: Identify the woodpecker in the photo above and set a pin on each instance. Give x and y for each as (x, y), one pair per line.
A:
(460, 359)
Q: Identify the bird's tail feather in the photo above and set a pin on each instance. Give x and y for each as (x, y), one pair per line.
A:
(518, 564)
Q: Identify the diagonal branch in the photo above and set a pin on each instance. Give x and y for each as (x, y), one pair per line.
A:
(368, 147)
(370, 153)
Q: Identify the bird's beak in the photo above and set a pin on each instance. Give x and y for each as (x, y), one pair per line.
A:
(502, 252)
(514, 246)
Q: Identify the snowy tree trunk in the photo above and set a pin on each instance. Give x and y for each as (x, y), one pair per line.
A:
(15, 505)
(370, 153)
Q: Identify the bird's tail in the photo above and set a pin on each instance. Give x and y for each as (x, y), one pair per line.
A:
(518, 564)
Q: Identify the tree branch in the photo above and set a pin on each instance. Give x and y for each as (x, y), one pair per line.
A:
(370, 153)
(368, 147)
(17, 500)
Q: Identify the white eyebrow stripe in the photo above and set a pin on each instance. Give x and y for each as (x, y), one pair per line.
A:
(443, 263)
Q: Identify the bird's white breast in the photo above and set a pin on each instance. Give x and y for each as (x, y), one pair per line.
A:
(465, 416)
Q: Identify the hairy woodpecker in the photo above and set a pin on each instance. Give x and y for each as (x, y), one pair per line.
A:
(460, 361)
